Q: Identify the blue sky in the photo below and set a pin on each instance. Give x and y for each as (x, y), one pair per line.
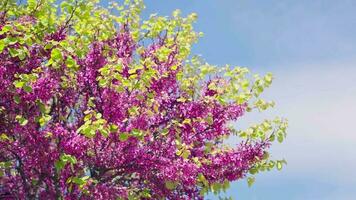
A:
(310, 48)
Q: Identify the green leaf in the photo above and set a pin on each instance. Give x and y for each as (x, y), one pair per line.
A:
(59, 165)
(134, 110)
(2, 45)
(80, 181)
(19, 84)
(98, 115)
(165, 131)
(10, 40)
(104, 132)
(280, 137)
(132, 71)
(202, 179)
(48, 46)
(68, 158)
(5, 29)
(253, 170)
(4, 137)
(41, 106)
(44, 119)
(13, 52)
(64, 5)
(113, 128)
(103, 82)
(174, 67)
(88, 131)
(27, 88)
(279, 165)
(185, 154)
(22, 55)
(150, 95)
(209, 120)
(70, 62)
(215, 187)
(21, 120)
(56, 55)
(250, 181)
(268, 79)
(123, 136)
(137, 132)
(171, 185)
(31, 4)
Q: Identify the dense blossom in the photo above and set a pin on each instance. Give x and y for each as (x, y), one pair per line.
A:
(92, 107)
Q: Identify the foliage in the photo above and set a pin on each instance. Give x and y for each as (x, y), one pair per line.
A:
(96, 103)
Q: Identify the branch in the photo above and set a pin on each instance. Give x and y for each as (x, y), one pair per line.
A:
(19, 168)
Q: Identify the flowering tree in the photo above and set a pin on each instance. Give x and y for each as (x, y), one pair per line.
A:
(97, 104)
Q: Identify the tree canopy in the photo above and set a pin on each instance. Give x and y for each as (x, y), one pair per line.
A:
(97, 103)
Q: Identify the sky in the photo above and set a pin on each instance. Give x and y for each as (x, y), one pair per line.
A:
(310, 48)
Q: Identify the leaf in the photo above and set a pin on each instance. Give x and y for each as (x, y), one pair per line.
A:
(22, 55)
(185, 154)
(88, 131)
(64, 4)
(150, 95)
(19, 84)
(5, 29)
(202, 179)
(70, 62)
(41, 106)
(187, 121)
(2, 45)
(132, 71)
(13, 52)
(156, 108)
(21, 120)
(268, 79)
(68, 158)
(209, 120)
(215, 187)
(10, 40)
(137, 132)
(253, 170)
(174, 67)
(31, 4)
(56, 55)
(27, 88)
(44, 119)
(4, 137)
(250, 181)
(165, 131)
(80, 181)
(170, 185)
(280, 137)
(59, 165)
(103, 82)
(104, 132)
(134, 110)
(123, 136)
(279, 165)
(98, 115)
(181, 99)
(113, 128)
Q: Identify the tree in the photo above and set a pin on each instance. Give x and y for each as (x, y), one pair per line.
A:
(97, 104)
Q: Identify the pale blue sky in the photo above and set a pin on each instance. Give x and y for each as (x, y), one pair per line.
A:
(310, 47)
